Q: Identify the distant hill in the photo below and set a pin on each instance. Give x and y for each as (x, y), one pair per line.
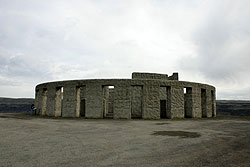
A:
(15, 104)
(223, 107)
(233, 107)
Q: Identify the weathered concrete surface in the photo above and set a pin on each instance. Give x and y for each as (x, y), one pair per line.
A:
(140, 97)
(122, 103)
(139, 75)
(151, 101)
(94, 106)
(196, 94)
(35, 141)
(177, 102)
(136, 101)
(69, 101)
(44, 102)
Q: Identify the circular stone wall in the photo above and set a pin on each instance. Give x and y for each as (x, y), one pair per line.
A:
(141, 97)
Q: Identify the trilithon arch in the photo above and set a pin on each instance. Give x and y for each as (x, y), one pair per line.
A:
(146, 96)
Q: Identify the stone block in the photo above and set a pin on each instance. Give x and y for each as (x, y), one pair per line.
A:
(122, 109)
(94, 101)
(151, 99)
(69, 101)
(177, 102)
(196, 99)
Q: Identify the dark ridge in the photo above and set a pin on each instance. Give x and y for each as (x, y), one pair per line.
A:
(233, 107)
(15, 104)
(223, 107)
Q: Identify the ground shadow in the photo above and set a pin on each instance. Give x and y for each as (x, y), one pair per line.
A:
(181, 134)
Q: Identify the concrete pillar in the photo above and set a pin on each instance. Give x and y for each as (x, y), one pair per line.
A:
(51, 101)
(38, 101)
(151, 99)
(78, 101)
(136, 101)
(111, 101)
(122, 102)
(105, 90)
(208, 103)
(94, 101)
(58, 102)
(69, 101)
(213, 103)
(203, 103)
(44, 101)
(196, 102)
(177, 102)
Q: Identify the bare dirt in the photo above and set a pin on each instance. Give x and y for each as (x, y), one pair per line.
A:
(36, 141)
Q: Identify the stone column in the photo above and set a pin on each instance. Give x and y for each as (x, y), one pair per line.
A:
(151, 98)
(78, 101)
(208, 103)
(44, 101)
(38, 101)
(136, 101)
(177, 102)
(213, 103)
(69, 101)
(122, 102)
(203, 103)
(94, 101)
(58, 102)
(83, 101)
(105, 97)
(196, 101)
(51, 101)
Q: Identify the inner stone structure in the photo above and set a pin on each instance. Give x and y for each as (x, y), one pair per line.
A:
(146, 96)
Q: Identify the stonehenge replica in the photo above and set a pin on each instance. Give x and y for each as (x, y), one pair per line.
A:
(146, 96)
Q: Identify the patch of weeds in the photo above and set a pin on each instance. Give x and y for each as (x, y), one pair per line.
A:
(244, 117)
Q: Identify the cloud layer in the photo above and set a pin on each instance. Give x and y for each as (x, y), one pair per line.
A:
(205, 41)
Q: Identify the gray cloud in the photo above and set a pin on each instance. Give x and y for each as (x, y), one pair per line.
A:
(43, 41)
(223, 41)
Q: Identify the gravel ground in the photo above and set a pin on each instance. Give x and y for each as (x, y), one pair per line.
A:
(35, 141)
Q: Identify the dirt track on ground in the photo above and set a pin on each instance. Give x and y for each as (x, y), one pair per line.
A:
(35, 141)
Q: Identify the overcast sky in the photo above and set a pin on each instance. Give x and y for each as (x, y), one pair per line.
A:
(206, 41)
